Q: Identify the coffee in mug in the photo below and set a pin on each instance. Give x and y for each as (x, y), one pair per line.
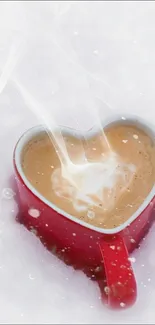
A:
(106, 195)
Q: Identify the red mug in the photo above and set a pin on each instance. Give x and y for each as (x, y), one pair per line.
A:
(101, 253)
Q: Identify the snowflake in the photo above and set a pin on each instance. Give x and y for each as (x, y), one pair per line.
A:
(8, 193)
(34, 213)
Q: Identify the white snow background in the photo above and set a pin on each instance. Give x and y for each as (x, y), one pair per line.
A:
(65, 58)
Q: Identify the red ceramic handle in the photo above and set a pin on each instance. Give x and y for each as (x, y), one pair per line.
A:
(120, 290)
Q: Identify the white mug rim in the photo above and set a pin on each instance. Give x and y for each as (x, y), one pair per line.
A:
(124, 118)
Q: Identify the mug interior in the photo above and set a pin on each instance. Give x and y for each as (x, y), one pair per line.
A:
(28, 135)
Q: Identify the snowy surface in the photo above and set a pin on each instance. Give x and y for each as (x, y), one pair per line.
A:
(63, 59)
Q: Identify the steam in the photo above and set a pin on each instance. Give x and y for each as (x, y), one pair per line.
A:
(84, 182)
(74, 173)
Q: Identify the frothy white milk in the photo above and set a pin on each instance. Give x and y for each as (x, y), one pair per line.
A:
(93, 183)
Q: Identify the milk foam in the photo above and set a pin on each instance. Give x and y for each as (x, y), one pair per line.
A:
(92, 184)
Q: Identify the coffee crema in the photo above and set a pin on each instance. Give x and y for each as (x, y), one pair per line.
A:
(105, 196)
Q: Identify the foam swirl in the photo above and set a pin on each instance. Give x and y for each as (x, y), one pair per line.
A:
(94, 183)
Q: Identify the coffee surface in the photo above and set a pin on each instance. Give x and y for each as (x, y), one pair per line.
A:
(127, 174)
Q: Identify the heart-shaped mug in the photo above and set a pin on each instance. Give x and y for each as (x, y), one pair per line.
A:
(103, 253)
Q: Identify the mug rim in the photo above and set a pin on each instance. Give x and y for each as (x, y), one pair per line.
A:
(124, 119)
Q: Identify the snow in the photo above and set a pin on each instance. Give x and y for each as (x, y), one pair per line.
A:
(34, 213)
(98, 54)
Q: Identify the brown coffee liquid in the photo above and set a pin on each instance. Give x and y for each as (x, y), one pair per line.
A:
(130, 143)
